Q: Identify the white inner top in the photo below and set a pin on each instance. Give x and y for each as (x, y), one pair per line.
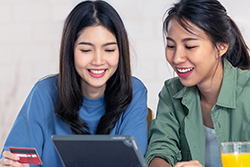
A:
(212, 148)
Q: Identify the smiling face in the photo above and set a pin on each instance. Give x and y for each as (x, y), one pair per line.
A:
(96, 57)
(192, 55)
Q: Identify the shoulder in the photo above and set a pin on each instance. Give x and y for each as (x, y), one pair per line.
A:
(235, 74)
(172, 86)
(40, 103)
(139, 96)
(46, 85)
(243, 77)
(137, 84)
(47, 81)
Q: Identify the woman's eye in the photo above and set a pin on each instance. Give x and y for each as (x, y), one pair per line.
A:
(171, 46)
(190, 47)
(109, 50)
(85, 50)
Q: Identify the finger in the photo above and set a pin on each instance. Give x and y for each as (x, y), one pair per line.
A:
(9, 162)
(9, 155)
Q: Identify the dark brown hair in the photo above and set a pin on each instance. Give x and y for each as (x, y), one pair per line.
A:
(118, 93)
(212, 18)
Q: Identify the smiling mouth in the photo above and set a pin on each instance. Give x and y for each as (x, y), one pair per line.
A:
(184, 70)
(97, 71)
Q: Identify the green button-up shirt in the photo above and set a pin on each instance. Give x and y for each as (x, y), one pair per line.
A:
(177, 133)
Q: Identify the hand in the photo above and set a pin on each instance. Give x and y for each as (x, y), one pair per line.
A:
(194, 163)
(10, 159)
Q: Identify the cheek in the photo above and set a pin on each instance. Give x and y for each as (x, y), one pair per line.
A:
(114, 60)
(169, 56)
(80, 60)
(77, 61)
(76, 57)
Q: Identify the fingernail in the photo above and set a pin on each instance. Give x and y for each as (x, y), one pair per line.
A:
(17, 157)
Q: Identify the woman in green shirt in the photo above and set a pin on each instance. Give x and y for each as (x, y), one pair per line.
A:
(208, 103)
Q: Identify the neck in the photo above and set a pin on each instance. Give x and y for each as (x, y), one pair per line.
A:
(93, 95)
(209, 91)
(93, 92)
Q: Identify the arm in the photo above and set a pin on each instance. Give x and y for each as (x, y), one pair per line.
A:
(133, 121)
(27, 129)
(164, 137)
(158, 162)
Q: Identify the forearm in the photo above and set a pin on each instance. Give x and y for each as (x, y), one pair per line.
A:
(159, 162)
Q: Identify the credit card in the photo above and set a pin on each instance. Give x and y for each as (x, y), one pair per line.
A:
(27, 155)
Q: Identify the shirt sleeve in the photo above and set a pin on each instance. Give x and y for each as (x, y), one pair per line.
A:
(164, 132)
(133, 121)
(27, 130)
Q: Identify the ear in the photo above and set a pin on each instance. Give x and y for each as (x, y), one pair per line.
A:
(222, 48)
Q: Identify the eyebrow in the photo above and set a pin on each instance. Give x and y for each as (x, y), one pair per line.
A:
(183, 40)
(88, 43)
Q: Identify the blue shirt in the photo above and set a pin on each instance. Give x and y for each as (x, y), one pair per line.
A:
(37, 122)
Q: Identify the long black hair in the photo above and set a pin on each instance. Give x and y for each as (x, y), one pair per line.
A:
(118, 93)
(212, 18)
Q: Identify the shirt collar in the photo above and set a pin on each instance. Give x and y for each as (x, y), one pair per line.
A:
(187, 94)
(227, 93)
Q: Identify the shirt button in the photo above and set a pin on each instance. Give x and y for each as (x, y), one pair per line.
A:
(219, 124)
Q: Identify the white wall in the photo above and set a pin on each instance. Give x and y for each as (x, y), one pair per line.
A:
(30, 32)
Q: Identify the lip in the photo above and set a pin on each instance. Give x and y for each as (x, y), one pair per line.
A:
(182, 74)
(95, 75)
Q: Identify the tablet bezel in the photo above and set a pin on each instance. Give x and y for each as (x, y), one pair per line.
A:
(124, 147)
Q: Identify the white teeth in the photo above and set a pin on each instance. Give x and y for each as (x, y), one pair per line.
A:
(184, 70)
(97, 71)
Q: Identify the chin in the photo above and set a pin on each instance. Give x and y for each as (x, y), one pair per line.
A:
(187, 84)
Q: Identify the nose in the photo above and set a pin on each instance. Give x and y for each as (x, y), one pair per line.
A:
(98, 58)
(179, 55)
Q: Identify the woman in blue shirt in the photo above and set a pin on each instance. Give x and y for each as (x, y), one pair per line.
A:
(93, 93)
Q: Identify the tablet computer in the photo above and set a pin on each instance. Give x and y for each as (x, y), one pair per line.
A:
(98, 151)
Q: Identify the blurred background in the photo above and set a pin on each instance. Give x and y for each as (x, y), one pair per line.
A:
(30, 32)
